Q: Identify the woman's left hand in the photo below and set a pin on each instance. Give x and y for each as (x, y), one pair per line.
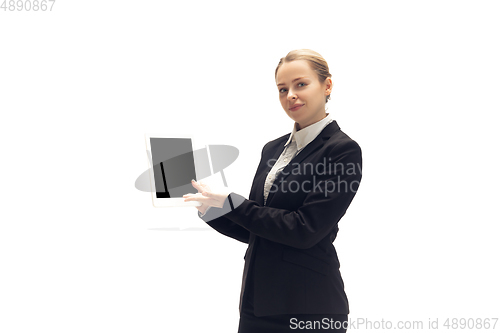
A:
(207, 197)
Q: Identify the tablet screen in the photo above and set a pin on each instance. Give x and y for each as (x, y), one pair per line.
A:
(173, 166)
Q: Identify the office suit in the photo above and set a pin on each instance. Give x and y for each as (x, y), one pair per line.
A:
(291, 261)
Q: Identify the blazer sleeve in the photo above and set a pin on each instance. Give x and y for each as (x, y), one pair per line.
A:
(320, 212)
(215, 218)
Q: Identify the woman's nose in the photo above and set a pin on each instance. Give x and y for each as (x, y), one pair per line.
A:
(291, 95)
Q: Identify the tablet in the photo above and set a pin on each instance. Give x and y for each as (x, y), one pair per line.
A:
(171, 169)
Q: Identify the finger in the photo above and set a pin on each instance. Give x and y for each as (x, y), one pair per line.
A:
(195, 195)
(203, 184)
(198, 197)
(190, 195)
(196, 185)
(195, 198)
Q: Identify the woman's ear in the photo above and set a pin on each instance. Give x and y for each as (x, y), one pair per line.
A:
(329, 86)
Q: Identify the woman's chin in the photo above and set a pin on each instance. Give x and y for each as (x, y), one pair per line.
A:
(293, 116)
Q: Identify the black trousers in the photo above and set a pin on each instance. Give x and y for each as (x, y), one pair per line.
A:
(307, 323)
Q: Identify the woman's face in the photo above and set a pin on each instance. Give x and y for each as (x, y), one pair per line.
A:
(301, 94)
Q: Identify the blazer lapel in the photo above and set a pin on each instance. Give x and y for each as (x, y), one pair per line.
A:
(259, 197)
(317, 143)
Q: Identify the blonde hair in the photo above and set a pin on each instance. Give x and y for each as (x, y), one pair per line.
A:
(315, 60)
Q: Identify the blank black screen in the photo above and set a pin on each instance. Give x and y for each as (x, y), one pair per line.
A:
(173, 166)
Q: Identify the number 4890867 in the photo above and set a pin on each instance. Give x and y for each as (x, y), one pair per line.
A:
(27, 5)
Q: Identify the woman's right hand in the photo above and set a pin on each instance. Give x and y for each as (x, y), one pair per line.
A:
(201, 187)
(206, 197)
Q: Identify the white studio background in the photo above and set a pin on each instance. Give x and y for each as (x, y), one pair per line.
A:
(81, 250)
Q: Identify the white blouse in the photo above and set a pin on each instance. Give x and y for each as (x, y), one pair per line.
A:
(296, 142)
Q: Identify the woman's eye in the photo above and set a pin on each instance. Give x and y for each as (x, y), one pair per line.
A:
(301, 84)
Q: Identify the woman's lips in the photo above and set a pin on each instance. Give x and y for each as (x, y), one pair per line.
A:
(295, 108)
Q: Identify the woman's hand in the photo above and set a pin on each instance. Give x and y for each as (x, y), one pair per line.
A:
(206, 197)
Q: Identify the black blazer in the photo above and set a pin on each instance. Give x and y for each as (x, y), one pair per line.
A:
(290, 253)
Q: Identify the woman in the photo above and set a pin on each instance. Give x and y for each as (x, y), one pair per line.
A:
(304, 184)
